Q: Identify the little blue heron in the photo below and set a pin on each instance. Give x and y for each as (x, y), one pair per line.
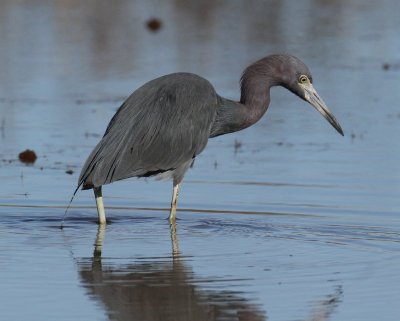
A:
(162, 126)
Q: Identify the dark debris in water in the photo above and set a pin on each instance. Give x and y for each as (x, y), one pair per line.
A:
(280, 144)
(354, 136)
(2, 127)
(27, 156)
(154, 24)
(9, 161)
(388, 66)
(95, 135)
(396, 115)
(215, 164)
(101, 100)
(237, 146)
(69, 171)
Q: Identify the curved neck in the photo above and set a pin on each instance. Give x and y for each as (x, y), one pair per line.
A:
(254, 101)
(255, 96)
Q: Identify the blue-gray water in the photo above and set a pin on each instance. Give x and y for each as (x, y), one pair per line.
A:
(294, 223)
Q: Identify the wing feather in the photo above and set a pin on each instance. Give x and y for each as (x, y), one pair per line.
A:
(160, 127)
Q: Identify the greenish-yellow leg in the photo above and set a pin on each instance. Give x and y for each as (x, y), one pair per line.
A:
(172, 213)
(100, 205)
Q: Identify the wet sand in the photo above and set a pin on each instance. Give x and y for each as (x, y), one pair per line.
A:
(286, 220)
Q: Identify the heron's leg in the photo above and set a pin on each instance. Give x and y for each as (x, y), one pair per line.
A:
(100, 205)
(172, 213)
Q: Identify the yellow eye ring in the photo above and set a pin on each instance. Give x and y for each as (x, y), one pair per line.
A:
(303, 79)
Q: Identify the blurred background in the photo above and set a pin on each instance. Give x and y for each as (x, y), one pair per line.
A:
(296, 185)
(67, 65)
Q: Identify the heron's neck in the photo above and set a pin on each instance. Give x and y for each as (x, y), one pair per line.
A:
(254, 101)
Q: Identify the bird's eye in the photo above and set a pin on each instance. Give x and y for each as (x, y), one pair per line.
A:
(303, 79)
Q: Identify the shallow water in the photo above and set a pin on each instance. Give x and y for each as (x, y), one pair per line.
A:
(285, 220)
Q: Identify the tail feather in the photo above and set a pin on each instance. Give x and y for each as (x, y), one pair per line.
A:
(69, 205)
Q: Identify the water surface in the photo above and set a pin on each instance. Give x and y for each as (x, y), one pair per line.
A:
(285, 220)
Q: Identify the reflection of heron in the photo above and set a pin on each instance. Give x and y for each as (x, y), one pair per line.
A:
(166, 123)
(159, 290)
(325, 308)
(167, 289)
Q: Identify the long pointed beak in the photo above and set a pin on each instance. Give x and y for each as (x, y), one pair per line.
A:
(311, 95)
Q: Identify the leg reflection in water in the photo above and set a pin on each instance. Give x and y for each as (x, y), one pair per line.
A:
(98, 244)
(159, 289)
(174, 240)
(166, 288)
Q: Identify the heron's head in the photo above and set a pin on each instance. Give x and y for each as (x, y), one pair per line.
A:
(296, 77)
